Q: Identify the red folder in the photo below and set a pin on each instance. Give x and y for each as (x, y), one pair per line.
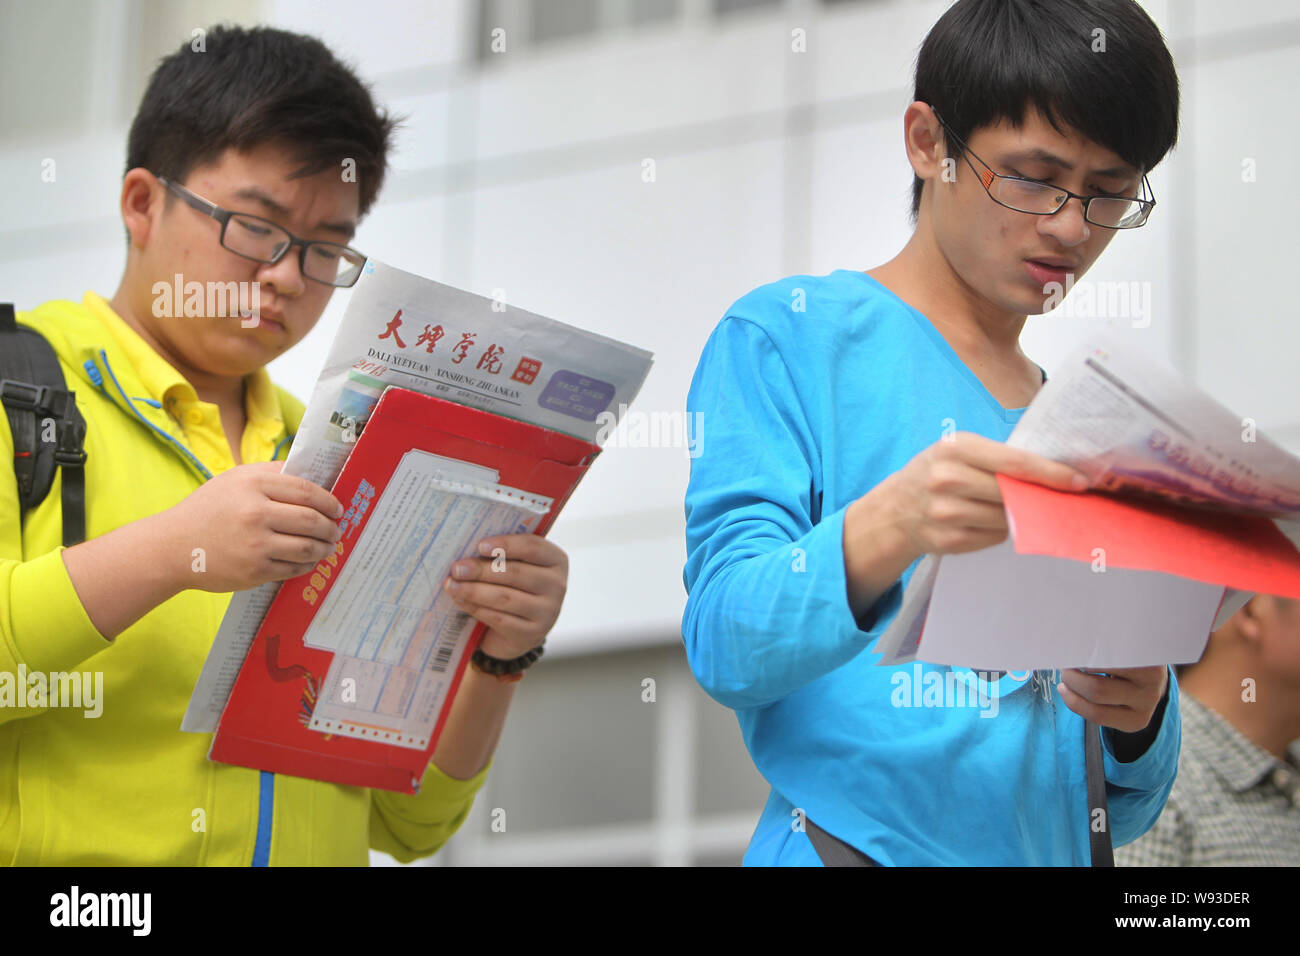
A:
(264, 724)
(1243, 552)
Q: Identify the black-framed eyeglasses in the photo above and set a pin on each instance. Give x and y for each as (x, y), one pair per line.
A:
(264, 241)
(1043, 199)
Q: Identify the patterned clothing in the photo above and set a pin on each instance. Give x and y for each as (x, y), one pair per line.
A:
(1233, 803)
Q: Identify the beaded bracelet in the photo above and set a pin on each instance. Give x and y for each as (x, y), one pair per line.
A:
(506, 671)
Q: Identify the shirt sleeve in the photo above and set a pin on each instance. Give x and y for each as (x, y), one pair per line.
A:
(411, 826)
(767, 610)
(1136, 792)
(1168, 843)
(43, 626)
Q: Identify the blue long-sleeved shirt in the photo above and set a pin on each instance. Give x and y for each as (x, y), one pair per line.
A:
(809, 392)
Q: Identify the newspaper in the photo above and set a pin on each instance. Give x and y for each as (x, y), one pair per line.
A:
(1135, 427)
(403, 330)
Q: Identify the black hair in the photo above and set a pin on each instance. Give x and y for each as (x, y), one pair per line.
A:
(989, 60)
(232, 87)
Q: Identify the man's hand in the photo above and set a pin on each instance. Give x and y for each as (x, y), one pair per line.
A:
(947, 499)
(516, 588)
(254, 525)
(1124, 699)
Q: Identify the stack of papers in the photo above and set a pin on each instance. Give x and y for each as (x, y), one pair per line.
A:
(468, 419)
(1191, 511)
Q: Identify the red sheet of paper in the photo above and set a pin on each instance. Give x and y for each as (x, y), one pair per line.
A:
(1248, 553)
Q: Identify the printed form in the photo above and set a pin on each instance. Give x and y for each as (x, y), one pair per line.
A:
(395, 633)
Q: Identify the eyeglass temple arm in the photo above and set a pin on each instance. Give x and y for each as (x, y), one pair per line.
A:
(197, 202)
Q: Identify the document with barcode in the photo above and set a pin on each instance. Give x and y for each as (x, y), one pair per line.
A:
(395, 634)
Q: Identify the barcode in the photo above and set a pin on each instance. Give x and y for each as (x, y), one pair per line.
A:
(448, 641)
(442, 657)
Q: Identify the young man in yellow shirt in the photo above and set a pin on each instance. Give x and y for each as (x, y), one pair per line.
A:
(184, 434)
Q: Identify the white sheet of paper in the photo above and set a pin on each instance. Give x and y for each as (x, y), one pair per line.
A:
(899, 642)
(1233, 602)
(996, 609)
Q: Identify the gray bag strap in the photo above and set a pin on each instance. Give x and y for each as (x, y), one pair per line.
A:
(833, 850)
(1103, 854)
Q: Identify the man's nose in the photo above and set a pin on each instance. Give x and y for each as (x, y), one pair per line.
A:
(1067, 223)
(285, 276)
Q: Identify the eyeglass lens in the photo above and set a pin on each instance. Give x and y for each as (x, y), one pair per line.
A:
(1115, 213)
(264, 241)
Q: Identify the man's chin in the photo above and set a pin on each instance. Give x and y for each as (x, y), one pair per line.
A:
(1038, 302)
(239, 354)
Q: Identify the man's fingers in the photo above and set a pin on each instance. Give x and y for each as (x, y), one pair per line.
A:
(964, 540)
(989, 455)
(1124, 719)
(960, 479)
(287, 570)
(1097, 689)
(303, 522)
(306, 494)
(985, 516)
(500, 607)
(1153, 676)
(532, 548)
(296, 549)
(1027, 466)
(517, 574)
(1101, 714)
(959, 511)
(1114, 701)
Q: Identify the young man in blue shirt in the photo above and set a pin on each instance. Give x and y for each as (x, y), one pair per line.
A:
(856, 422)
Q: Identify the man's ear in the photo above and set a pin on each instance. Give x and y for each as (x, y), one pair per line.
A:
(141, 204)
(923, 140)
(1250, 619)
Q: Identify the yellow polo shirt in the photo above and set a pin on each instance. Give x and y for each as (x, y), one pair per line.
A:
(200, 420)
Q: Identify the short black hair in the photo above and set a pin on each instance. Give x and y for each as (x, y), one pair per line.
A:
(989, 60)
(234, 87)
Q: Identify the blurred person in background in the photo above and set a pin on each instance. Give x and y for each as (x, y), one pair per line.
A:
(1236, 800)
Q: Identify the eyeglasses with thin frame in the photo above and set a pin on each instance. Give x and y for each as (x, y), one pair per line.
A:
(265, 241)
(1043, 199)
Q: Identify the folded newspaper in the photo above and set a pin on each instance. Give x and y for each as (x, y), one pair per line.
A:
(403, 330)
(1149, 439)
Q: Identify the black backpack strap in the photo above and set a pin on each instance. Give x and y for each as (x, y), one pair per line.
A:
(36, 399)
